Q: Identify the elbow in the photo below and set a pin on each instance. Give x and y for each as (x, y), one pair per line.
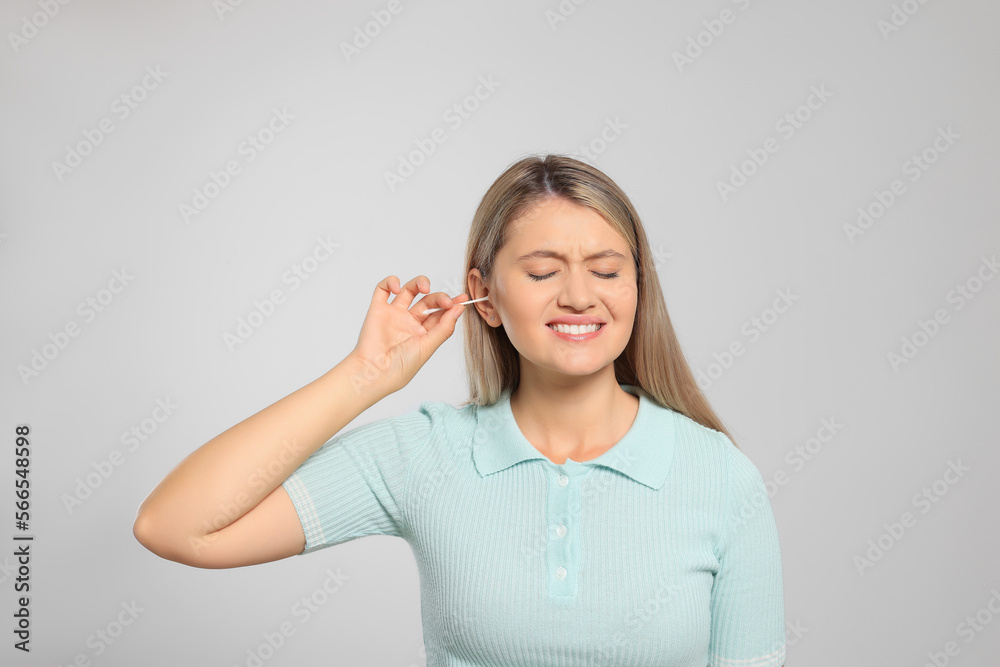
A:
(171, 543)
(157, 537)
(148, 533)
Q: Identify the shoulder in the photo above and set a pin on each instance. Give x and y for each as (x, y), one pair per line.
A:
(395, 442)
(444, 426)
(708, 460)
(725, 479)
(704, 449)
(422, 419)
(710, 446)
(442, 414)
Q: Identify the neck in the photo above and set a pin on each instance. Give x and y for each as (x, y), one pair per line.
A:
(579, 420)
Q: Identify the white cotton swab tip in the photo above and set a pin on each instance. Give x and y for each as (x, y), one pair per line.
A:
(460, 303)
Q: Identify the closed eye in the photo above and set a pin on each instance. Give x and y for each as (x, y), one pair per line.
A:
(606, 276)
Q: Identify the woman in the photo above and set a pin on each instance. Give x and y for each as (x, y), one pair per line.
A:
(585, 506)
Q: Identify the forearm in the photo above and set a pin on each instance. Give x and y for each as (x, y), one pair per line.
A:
(231, 473)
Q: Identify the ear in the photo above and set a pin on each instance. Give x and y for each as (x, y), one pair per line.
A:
(478, 288)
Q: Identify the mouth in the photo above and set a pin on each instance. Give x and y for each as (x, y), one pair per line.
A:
(576, 330)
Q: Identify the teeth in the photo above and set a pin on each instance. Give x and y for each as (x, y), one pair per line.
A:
(574, 329)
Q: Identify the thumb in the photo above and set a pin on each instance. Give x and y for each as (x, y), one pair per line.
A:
(445, 327)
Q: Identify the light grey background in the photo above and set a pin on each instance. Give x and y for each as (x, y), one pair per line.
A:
(670, 135)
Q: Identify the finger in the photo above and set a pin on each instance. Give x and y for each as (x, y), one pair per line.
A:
(388, 286)
(404, 299)
(438, 301)
(454, 301)
(443, 329)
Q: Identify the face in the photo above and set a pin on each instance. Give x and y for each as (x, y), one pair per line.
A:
(561, 261)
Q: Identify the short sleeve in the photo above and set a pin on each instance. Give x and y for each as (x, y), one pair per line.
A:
(353, 485)
(747, 606)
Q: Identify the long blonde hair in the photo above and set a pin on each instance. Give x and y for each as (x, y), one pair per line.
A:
(652, 360)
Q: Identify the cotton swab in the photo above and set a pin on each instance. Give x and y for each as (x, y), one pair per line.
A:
(461, 303)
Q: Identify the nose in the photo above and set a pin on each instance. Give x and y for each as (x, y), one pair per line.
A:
(577, 291)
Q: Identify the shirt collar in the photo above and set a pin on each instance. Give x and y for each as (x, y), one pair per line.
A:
(643, 454)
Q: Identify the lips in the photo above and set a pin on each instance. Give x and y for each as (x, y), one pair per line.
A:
(576, 333)
(578, 320)
(554, 327)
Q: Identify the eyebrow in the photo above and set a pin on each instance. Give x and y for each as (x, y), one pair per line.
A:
(551, 253)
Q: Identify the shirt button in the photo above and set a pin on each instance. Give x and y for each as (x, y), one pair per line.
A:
(560, 573)
(563, 480)
(561, 531)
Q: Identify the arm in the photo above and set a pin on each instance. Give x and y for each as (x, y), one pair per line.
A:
(223, 505)
(747, 597)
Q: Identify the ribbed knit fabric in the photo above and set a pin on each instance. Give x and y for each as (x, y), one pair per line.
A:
(662, 551)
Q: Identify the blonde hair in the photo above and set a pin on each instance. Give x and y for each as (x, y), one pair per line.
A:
(652, 359)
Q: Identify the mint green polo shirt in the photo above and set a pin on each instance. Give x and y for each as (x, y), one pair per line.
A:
(662, 551)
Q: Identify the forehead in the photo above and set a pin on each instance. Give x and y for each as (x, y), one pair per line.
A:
(562, 227)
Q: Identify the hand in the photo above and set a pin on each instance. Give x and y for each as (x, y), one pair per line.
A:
(395, 340)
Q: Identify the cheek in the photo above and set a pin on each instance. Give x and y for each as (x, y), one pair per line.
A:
(518, 303)
(621, 300)
(528, 308)
(500, 296)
